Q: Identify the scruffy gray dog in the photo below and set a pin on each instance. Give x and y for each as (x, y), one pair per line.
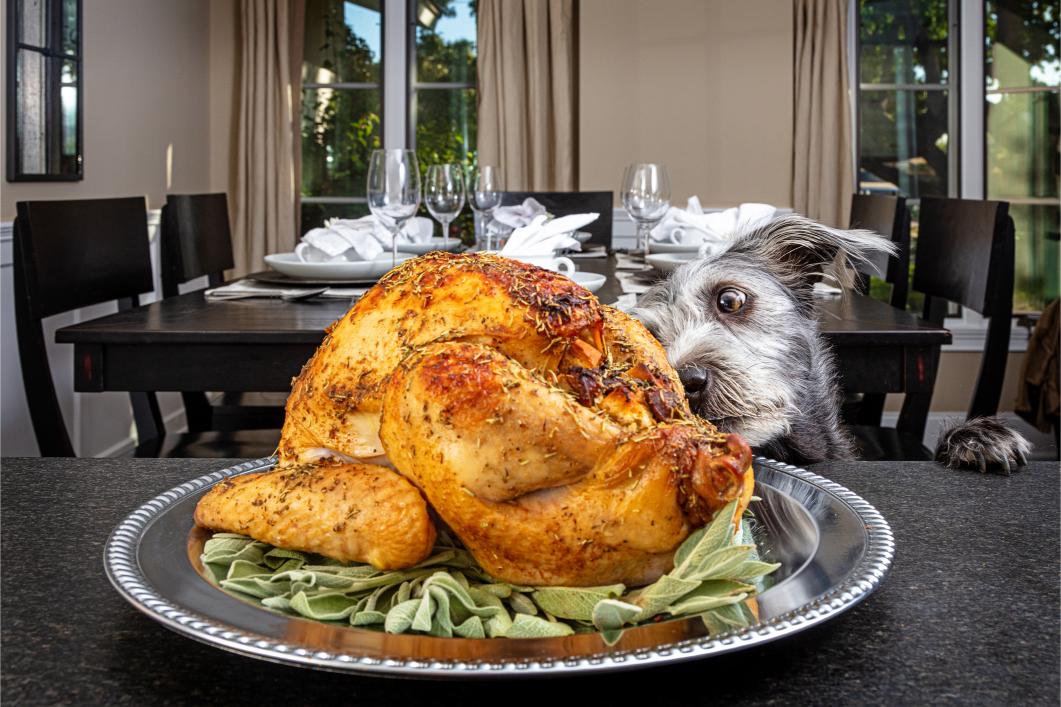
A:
(740, 328)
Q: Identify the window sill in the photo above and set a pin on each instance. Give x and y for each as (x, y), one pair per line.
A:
(970, 331)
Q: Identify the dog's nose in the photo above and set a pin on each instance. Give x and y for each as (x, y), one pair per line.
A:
(694, 379)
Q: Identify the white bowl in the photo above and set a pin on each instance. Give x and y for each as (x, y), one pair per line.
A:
(433, 244)
(590, 280)
(665, 262)
(289, 264)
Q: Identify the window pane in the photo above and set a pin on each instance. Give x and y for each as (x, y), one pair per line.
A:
(33, 22)
(1022, 145)
(1036, 281)
(445, 41)
(339, 130)
(903, 41)
(343, 42)
(903, 142)
(31, 106)
(1021, 43)
(445, 125)
(68, 156)
(69, 28)
(314, 215)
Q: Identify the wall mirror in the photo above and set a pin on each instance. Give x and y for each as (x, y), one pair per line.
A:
(44, 93)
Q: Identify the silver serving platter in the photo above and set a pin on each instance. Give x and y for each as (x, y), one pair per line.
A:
(834, 548)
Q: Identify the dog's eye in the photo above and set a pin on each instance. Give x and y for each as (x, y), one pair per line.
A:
(731, 301)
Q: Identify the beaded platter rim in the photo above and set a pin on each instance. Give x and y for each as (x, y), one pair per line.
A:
(125, 574)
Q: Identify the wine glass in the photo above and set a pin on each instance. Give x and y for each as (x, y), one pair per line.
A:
(484, 196)
(646, 198)
(444, 195)
(393, 190)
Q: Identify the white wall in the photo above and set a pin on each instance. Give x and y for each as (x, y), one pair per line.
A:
(704, 86)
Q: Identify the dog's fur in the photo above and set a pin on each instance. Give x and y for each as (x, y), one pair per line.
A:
(772, 379)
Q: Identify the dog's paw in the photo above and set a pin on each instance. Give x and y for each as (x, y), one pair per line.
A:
(982, 443)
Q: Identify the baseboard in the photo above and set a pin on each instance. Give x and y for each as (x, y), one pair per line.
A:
(932, 426)
(175, 420)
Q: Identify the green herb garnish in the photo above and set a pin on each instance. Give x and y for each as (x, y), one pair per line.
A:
(448, 594)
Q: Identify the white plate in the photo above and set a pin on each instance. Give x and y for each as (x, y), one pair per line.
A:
(665, 262)
(590, 280)
(655, 247)
(433, 244)
(289, 264)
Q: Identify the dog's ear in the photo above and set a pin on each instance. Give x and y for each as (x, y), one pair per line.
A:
(801, 252)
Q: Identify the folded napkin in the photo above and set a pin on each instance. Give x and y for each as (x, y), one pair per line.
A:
(357, 239)
(545, 237)
(710, 231)
(519, 215)
(245, 289)
(823, 290)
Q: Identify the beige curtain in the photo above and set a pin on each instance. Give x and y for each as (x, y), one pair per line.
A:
(528, 124)
(265, 193)
(822, 172)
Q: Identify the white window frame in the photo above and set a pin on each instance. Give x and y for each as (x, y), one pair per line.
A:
(965, 131)
(399, 85)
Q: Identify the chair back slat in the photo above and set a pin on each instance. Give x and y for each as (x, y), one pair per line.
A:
(887, 216)
(196, 239)
(564, 203)
(83, 252)
(965, 253)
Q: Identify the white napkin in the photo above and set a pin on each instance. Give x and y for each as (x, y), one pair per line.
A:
(519, 215)
(545, 237)
(245, 289)
(823, 290)
(357, 239)
(691, 226)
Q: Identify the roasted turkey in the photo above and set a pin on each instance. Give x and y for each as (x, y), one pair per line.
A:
(547, 431)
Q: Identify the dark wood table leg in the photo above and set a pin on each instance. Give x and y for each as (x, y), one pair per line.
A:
(921, 365)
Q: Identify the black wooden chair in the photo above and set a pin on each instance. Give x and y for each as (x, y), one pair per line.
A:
(196, 242)
(563, 203)
(73, 254)
(887, 216)
(965, 256)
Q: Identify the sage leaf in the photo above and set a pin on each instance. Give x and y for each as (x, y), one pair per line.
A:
(242, 568)
(367, 618)
(699, 604)
(472, 628)
(422, 617)
(521, 604)
(719, 534)
(612, 614)
(527, 626)
(668, 589)
(573, 602)
(400, 618)
(718, 564)
(323, 607)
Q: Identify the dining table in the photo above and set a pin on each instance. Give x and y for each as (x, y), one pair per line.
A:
(968, 613)
(194, 343)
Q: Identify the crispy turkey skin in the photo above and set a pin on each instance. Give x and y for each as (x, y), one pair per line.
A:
(547, 430)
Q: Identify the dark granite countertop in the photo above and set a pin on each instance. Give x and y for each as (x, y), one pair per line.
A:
(969, 613)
